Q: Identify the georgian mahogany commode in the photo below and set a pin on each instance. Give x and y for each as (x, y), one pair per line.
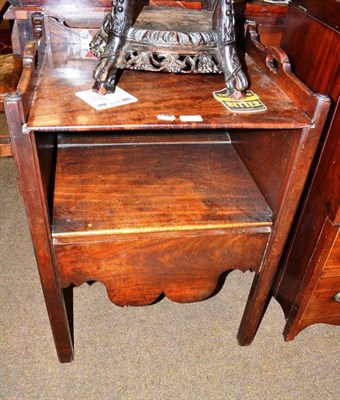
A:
(147, 206)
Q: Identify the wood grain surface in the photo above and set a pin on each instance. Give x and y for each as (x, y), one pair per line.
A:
(321, 304)
(319, 65)
(137, 269)
(10, 71)
(64, 72)
(145, 186)
(333, 261)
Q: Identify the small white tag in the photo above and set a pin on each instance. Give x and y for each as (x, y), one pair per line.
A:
(166, 117)
(102, 102)
(191, 118)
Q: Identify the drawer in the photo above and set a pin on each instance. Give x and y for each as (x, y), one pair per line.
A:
(184, 266)
(332, 264)
(322, 303)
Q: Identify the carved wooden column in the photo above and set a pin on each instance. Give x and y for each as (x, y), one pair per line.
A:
(224, 23)
(108, 43)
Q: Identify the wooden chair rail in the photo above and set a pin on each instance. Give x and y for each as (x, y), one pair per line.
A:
(276, 63)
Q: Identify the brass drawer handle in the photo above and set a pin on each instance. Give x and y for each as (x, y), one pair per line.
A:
(336, 297)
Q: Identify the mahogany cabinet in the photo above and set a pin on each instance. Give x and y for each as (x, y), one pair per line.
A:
(308, 283)
(146, 206)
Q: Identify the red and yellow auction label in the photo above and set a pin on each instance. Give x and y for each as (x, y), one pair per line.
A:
(251, 103)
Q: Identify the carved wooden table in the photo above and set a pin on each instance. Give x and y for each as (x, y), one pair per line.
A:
(168, 39)
(147, 206)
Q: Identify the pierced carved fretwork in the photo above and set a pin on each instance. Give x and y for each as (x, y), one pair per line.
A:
(178, 63)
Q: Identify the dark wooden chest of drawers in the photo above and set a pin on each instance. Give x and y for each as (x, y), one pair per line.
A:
(308, 285)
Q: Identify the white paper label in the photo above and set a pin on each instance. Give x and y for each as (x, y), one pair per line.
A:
(102, 102)
(191, 118)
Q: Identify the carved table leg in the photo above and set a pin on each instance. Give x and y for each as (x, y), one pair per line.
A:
(108, 43)
(223, 20)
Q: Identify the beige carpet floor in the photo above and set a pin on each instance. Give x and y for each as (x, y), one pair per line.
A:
(164, 351)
